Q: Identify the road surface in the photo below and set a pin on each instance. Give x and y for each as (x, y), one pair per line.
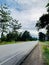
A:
(11, 54)
(35, 57)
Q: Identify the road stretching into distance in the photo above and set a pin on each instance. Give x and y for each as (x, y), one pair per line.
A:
(12, 54)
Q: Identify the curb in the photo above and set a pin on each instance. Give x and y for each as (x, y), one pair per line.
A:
(25, 57)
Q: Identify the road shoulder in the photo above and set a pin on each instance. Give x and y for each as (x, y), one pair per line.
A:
(35, 58)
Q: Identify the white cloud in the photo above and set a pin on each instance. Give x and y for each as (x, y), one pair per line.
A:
(22, 1)
(30, 12)
(32, 32)
(43, 30)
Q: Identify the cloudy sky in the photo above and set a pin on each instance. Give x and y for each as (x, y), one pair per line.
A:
(27, 12)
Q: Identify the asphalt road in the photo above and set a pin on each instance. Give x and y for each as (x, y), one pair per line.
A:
(11, 54)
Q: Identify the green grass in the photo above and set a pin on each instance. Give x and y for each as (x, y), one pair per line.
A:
(3, 43)
(45, 48)
(12, 42)
(46, 42)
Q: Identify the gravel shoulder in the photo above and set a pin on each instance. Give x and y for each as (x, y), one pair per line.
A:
(35, 58)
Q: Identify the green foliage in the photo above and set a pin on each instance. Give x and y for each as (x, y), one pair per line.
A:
(41, 36)
(5, 42)
(7, 22)
(16, 36)
(46, 55)
(15, 25)
(44, 21)
(12, 36)
(26, 36)
(3, 38)
(4, 19)
(19, 38)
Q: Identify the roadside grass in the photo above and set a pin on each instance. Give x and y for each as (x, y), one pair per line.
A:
(3, 43)
(46, 42)
(45, 51)
(12, 42)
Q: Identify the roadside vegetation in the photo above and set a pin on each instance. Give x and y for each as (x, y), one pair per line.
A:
(9, 28)
(43, 23)
(46, 55)
(45, 52)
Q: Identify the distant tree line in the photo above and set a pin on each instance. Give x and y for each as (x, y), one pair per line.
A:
(9, 27)
(11, 36)
(18, 37)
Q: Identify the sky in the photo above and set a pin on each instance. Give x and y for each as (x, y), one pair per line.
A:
(27, 12)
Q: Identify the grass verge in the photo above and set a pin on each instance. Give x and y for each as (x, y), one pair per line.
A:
(3, 43)
(45, 50)
(12, 42)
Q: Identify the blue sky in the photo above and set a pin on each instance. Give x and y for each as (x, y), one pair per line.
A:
(27, 12)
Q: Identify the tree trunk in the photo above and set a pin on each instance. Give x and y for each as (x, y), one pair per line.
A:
(2, 36)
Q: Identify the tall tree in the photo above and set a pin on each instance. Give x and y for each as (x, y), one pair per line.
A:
(15, 25)
(44, 20)
(41, 36)
(4, 19)
(26, 36)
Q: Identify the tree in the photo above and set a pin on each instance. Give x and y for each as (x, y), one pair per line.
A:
(4, 19)
(26, 36)
(12, 36)
(19, 38)
(15, 25)
(44, 20)
(41, 36)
